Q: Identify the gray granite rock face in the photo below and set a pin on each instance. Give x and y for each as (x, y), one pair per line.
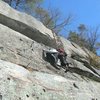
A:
(25, 75)
(17, 83)
(19, 49)
(25, 24)
(72, 48)
(79, 58)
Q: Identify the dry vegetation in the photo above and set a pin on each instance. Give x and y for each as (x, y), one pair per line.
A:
(94, 61)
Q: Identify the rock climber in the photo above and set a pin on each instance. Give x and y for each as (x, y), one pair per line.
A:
(57, 57)
(63, 56)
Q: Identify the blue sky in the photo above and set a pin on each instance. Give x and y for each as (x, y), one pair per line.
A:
(84, 11)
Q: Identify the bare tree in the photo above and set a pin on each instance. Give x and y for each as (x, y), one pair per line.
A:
(86, 37)
(8, 1)
(23, 2)
(16, 2)
(92, 38)
(52, 18)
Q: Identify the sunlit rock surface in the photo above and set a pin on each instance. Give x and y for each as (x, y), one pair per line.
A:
(17, 83)
(25, 75)
(25, 24)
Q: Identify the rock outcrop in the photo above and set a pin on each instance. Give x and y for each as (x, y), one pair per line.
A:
(80, 58)
(25, 75)
(25, 24)
(17, 83)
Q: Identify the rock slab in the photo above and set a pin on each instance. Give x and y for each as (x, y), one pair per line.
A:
(25, 24)
(17, 83)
